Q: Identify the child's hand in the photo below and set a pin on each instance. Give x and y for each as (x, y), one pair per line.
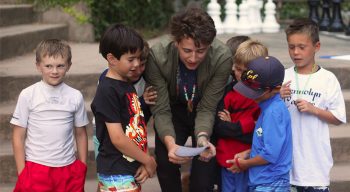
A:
(150, 95)
(238, 165)
(304, 106)
(224, 115)
(151, 166)
(285, 90)
(208, 153)
(141, 175)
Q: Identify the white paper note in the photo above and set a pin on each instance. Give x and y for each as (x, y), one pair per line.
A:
(189, 151)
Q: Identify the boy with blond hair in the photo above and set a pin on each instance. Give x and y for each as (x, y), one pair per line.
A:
(44, 121)
(236, 117)
(314, 99)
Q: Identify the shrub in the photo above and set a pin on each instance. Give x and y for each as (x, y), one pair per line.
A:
(149, 16)
(140, 14)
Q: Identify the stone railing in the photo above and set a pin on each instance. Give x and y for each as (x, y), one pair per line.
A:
(331, 15)
(327, 13)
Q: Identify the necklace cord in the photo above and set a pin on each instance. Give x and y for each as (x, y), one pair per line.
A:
(298, 91)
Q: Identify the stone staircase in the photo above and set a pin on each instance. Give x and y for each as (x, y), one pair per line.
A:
(19, 72)
(21, 32)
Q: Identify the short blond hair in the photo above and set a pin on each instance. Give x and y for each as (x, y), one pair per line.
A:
(249, 50)
(53, 48)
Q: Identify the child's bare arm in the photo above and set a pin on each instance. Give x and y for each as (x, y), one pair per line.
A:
(18, 138)
(239, 164)
(129, 148)
(325, 115)
(244, 154)
(82, 143)
(141, 174)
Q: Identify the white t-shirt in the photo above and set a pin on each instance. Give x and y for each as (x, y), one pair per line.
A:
(312, 154)
(140, 86)
(49, 114)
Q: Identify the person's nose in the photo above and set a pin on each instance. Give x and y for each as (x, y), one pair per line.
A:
(54, 70)
(137, 63)
(193, 58)
(296, 51)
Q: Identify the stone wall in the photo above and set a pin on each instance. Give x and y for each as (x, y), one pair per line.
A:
(76, 31)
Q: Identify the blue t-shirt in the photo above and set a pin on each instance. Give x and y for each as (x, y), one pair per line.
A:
(272, 141)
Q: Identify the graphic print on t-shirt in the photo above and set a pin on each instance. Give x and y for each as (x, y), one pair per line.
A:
(136, 129)
(310, 95)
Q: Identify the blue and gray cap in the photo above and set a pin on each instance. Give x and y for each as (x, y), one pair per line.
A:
(262, 73)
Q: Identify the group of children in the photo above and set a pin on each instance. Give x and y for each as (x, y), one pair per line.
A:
(271, 125)
(285, 154)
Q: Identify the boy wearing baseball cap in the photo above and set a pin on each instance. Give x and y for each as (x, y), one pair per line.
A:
(270, 158)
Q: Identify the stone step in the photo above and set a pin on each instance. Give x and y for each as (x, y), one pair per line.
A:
(11, 86)
(8, 166)
(339, 133)
(20, 39)
(16, 14)
(342, 74)
(88, 89)
(11, 1)
(340, 177)
(6, 111)
(340, 142)
(19, 72)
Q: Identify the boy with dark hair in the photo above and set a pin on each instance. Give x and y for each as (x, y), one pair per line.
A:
(120, 125)
(270, 157)
(44, 121)
(233, 44)
(236, 118)
(314, 99)
(146, 97)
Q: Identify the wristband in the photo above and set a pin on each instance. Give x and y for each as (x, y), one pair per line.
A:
(237, 163)
(203, 135)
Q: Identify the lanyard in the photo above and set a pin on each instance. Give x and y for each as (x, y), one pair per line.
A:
(298, 91)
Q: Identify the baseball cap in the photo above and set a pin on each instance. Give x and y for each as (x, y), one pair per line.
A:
(262, 73)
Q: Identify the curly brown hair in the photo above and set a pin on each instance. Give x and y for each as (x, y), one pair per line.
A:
(193, 23)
